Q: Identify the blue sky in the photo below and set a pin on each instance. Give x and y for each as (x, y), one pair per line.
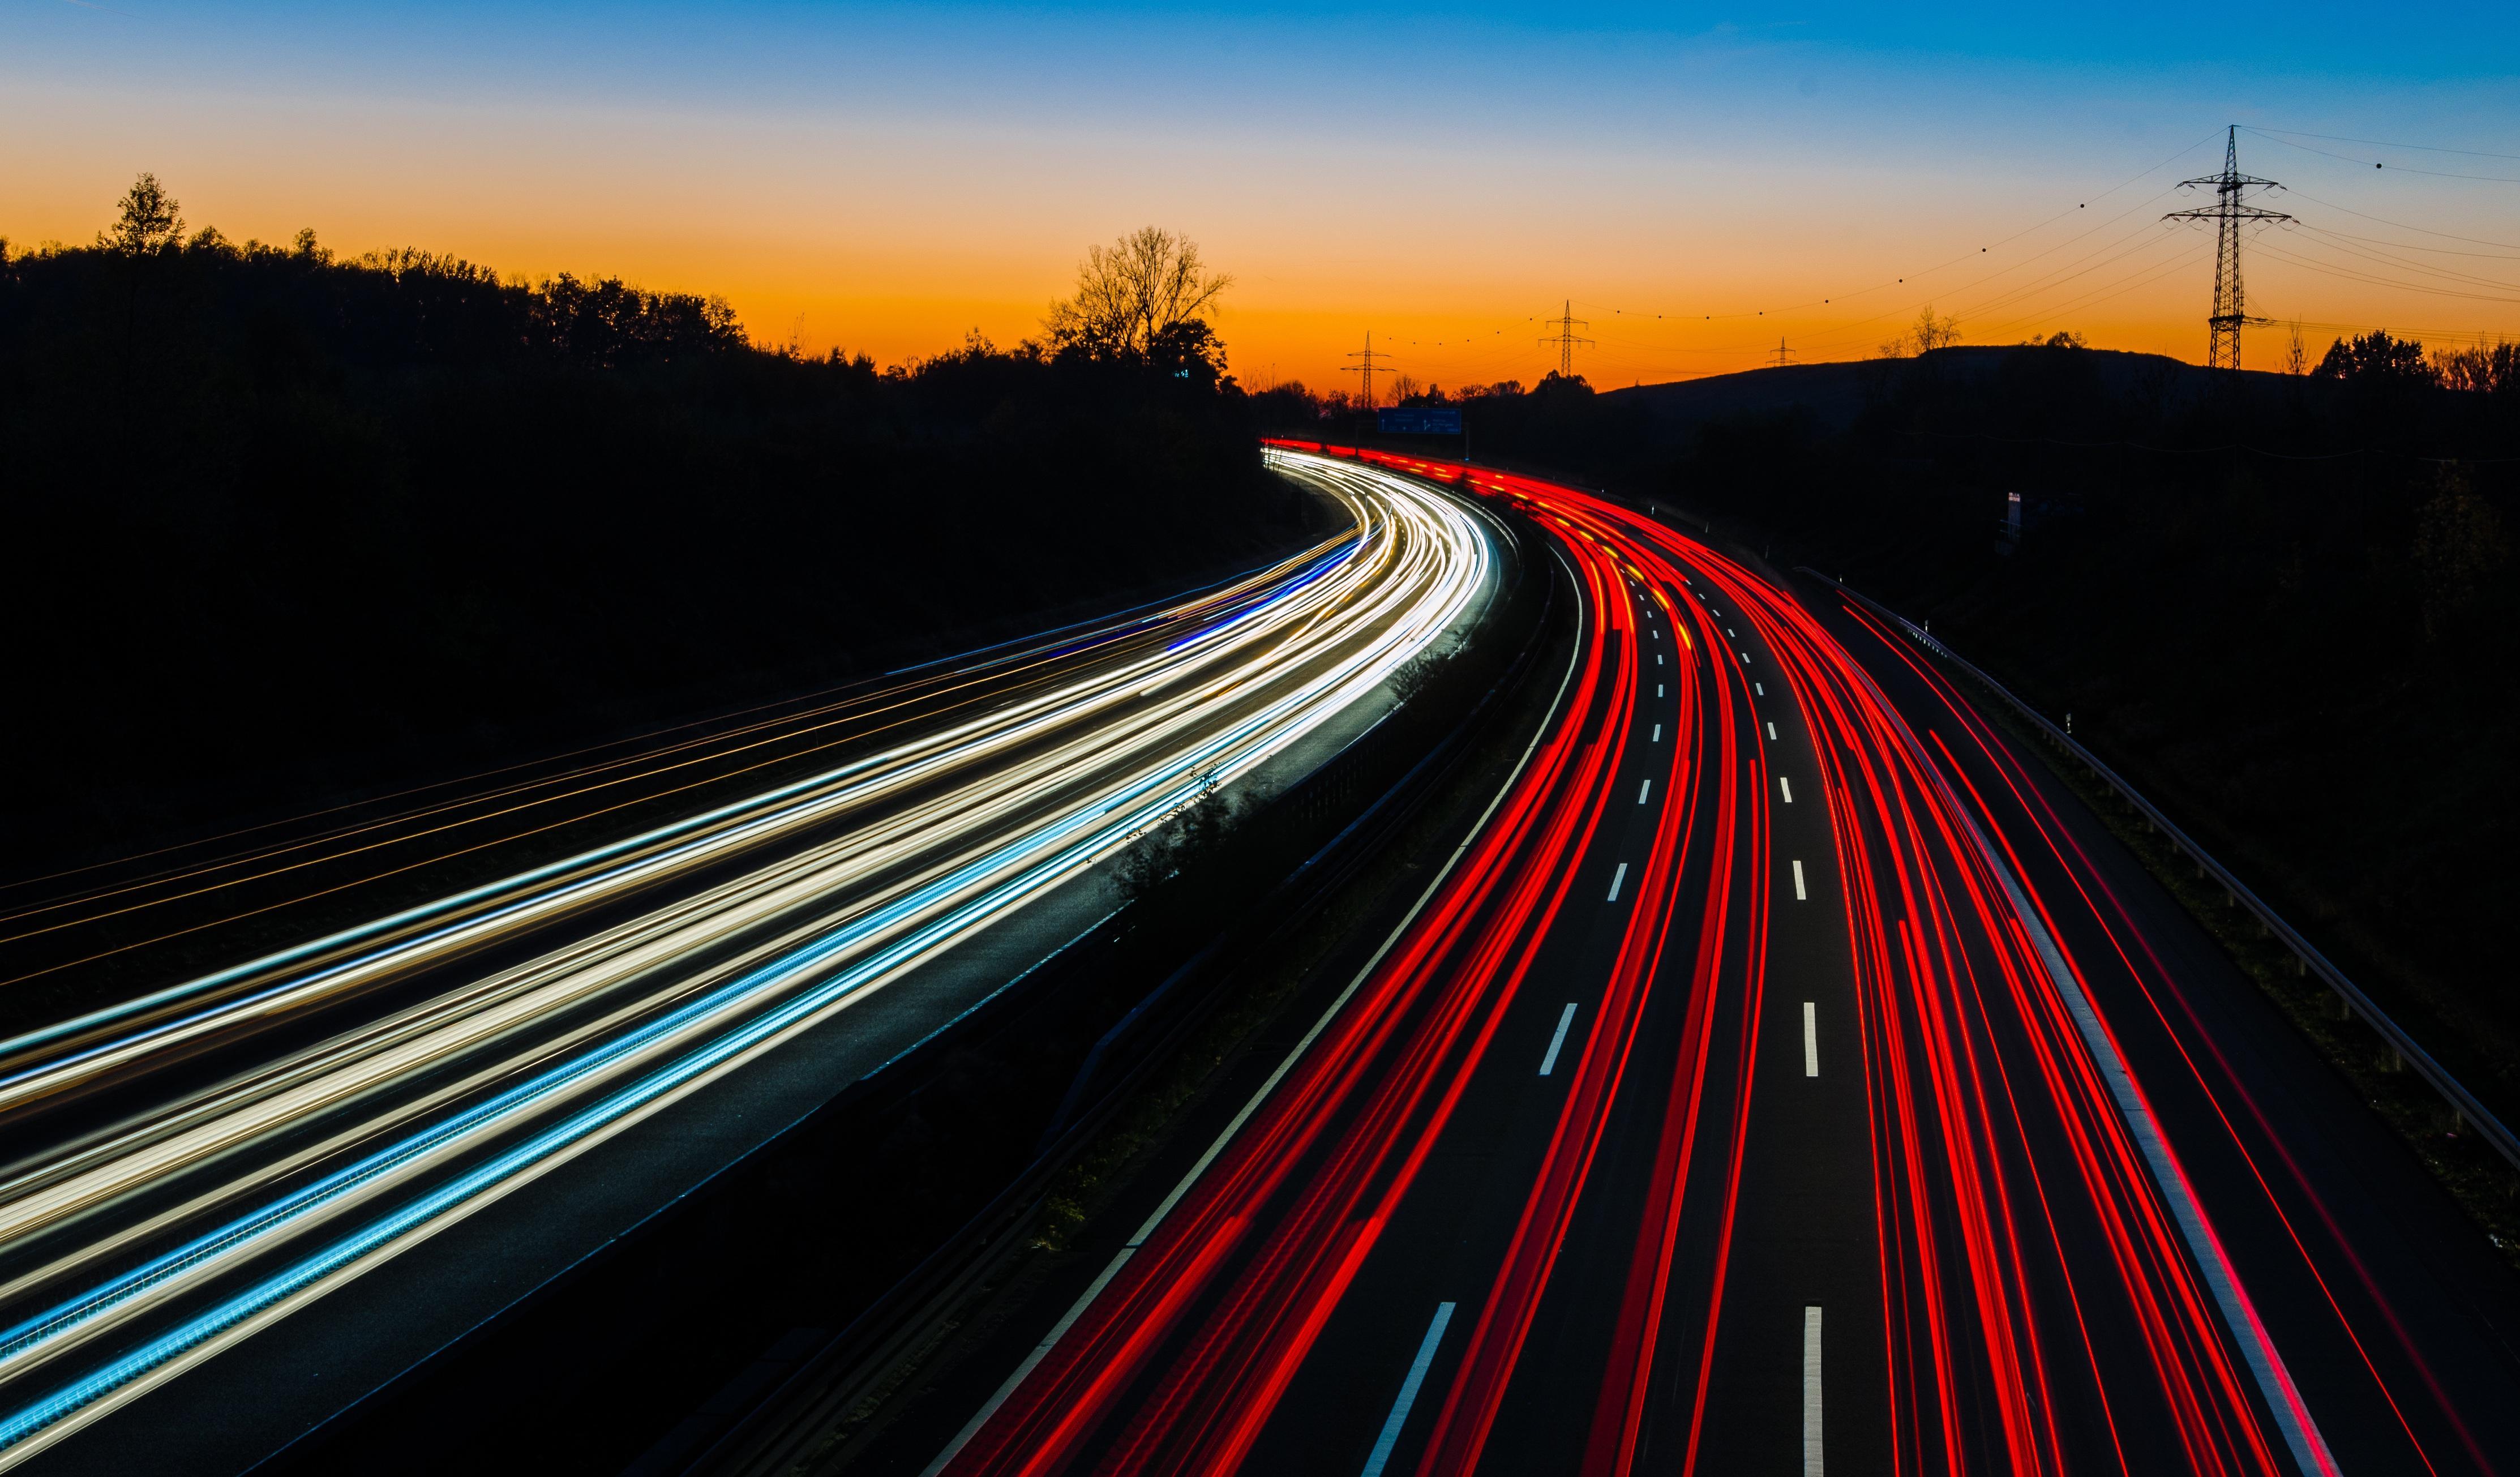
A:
(888, 176)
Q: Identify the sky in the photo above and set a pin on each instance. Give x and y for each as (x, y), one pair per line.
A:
(1698, 183)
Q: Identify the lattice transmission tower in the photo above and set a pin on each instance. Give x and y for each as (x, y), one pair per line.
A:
(2230, 213)
(1566, 322)
(1368, 358)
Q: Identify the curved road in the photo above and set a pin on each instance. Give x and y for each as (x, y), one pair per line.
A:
(1784, 1076)
(194, 1173)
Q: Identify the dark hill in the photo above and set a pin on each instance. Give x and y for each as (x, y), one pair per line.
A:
(1836, 394)
(2287, 607)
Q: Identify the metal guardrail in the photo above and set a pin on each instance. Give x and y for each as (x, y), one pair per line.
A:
(816, 1388)
(2307, 959)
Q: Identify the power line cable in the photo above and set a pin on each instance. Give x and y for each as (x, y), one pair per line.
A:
(2142, 238)
(2083, 205)
(2447, 174)
(2104, 292)
(2477, 336)
(2234, 216)
(2409, 246)
(2474, 241)
(2353, 274)
(2442, 174)
(2445, 274)
(2338, 138)
(2209, 451)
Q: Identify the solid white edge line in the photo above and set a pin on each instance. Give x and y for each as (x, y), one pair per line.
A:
(2283, 1399)
(1565, 1018)
(1399, 1417)
(1811, 1394)
(1616, 878)
(972, 1428)
(1810, 1038)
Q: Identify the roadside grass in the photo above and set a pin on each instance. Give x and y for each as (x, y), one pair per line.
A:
(1256, 996)
(2480, 1180)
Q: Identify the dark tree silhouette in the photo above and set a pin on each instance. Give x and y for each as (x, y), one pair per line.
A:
(1137, 298)
(2376, 358)
(281, 524)
(148, 221)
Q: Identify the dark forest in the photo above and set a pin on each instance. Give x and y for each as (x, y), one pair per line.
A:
(284, 526)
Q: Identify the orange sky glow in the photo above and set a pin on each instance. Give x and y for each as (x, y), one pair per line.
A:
(1688, 241)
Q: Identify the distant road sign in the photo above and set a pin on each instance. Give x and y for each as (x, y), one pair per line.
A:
(1418, 422)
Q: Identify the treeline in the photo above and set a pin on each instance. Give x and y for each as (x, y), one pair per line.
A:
(282, 524)
(2287, 605)
(1558, 422)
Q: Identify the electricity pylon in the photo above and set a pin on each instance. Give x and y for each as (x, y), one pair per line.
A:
(2230, 212)
(1370, 356)
(1567, 324)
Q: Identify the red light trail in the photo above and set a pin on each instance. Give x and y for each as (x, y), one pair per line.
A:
(2046, 1291)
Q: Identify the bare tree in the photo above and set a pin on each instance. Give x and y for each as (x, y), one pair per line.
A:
(1131, 293)
(2296, 356)
(1931, 333)
(1403, 389)
(2481, 369)
(149, 222)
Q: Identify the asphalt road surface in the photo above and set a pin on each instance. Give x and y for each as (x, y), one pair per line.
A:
(1786, 1075)
(473, 1092)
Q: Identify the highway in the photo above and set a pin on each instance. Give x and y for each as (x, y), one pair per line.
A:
(191, 1174)
(1784, 1074)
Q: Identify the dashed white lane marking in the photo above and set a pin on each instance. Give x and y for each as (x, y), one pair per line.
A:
(1417, 1368)
(1616, 878)
(1759, 688)
(1787, 786)
(1643, 790)
(1657, 690)
(1800, 896)
(1810, 1038)
(1565, 1018)
(1811, 1394)
(1771, 733)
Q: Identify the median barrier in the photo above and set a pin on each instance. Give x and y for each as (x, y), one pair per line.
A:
(781, 1238)
(1371, 787)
